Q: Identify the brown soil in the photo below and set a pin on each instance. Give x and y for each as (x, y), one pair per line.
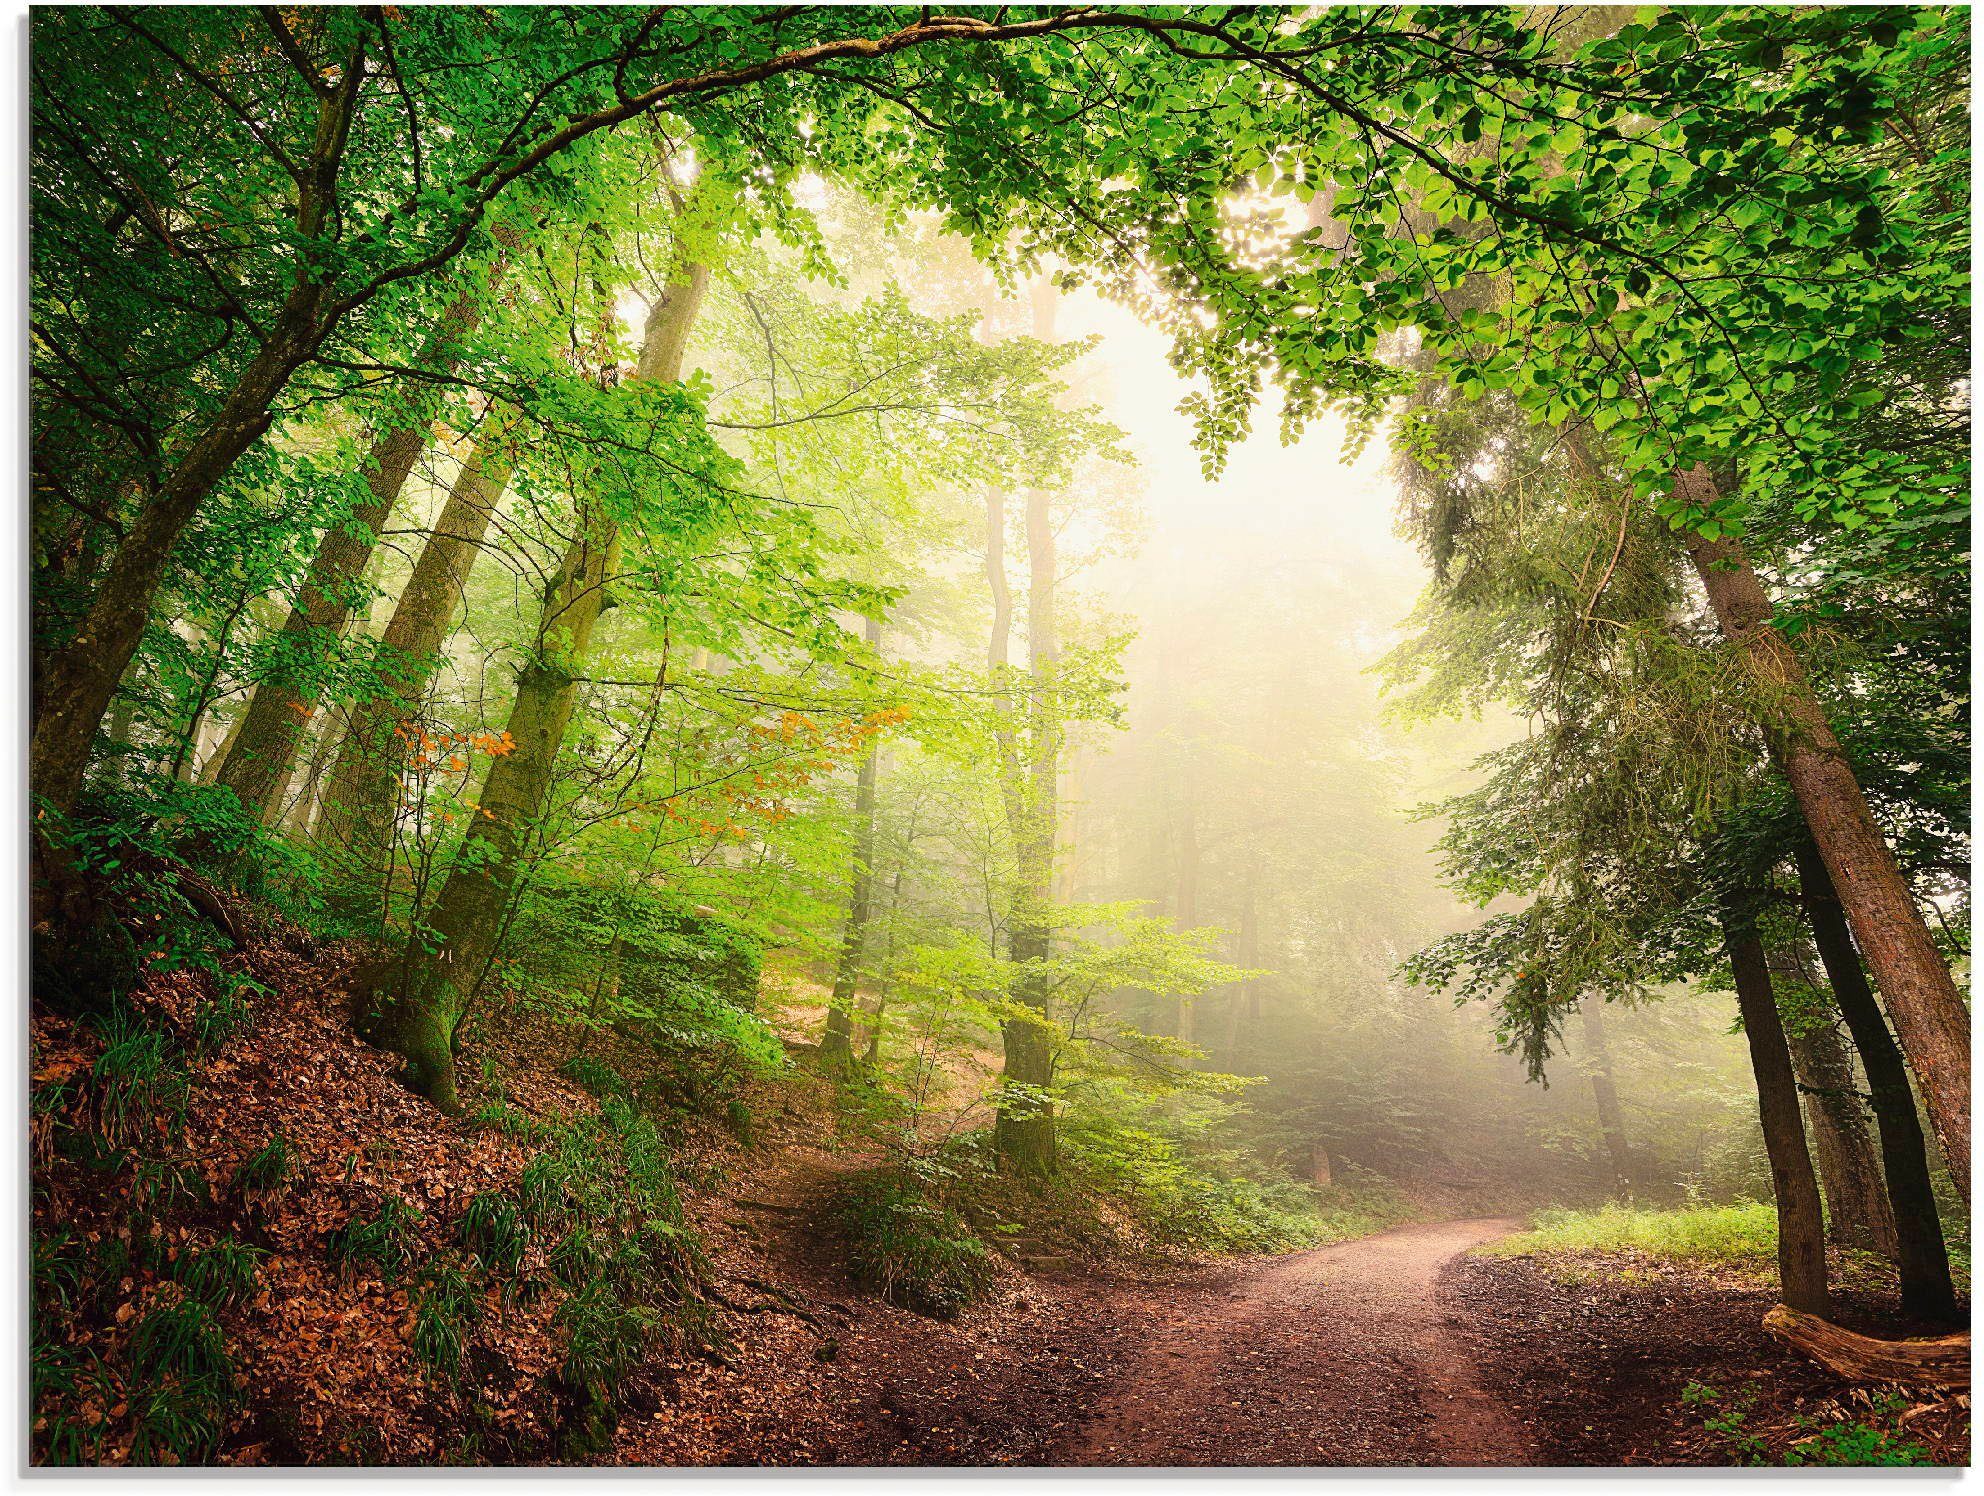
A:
(1339, 1356)
(1333, 1357)
(1593, 1351)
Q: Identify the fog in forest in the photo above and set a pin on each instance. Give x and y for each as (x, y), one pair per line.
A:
(1263, 784)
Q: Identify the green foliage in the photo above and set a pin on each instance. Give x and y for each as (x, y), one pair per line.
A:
(575, 1257)
(160, 1186)
(598, 1079)
(1727, 1418)
(907, 1245)
(603, 1338)
(224, 1017)
(1875, 1438)
(389, 1240)
(1744, 1234)
(184, 1376)
(1189, 1199)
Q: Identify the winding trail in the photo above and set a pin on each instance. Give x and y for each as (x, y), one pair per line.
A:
(1338, 1356)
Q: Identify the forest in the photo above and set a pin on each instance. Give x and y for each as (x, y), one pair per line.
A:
(1033, 735)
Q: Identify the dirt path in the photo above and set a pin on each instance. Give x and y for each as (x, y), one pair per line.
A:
(1340, 1356)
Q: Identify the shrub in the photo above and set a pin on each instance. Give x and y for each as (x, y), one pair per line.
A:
(911, 1249)
(1199, 1199)
(387, 1241)
(1743, 1234)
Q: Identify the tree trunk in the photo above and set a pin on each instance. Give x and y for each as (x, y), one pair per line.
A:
(361, 794)
(837, 1043)
(1801, 1243)
(83, 675)
(416, 1018)
(1929, 1015)
(1920, 1252)
(1024, 1132)
(1849, 1169)
(1185, 911)
(1857, 1212)
(1241, 1001)
(1941, 1362)
(286, 697)
(1605, 1095)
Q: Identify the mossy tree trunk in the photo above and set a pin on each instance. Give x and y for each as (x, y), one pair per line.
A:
(416, 1016)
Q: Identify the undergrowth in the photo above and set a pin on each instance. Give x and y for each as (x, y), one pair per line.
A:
(1873, 1435)
(1739, 1235)
(907, 1244)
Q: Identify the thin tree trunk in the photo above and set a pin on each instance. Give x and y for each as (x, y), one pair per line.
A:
(1185, 906)
(837, 1043)
(884, 985)
(1849, 1169)
(285, 699)
(1024, 1131)
(416, 1016)
(1801, 1242)
(1605, 1094)
(1240, 1001)
(363, 787)
(1920, 1253)
(1929, 1014)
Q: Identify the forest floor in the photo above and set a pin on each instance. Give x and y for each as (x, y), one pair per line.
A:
(1394, 1349)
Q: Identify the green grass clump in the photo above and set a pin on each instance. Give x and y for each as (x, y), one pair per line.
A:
(139, 1078)
(181, 1363)
(603, 1338)
(910, 1248)
(222, 1275)
(223, 1017)
(509, 1121)
(602, 1081)
(446, 1310)
(574, 1258)
(495, 1232)
(1744, 1234)
(387, 1241)
(266, 1169)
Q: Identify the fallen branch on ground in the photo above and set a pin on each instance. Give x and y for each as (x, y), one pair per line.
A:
(1940, 1361)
